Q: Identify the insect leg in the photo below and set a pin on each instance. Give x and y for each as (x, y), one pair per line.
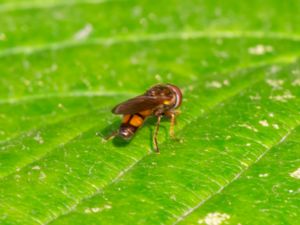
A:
(172, 115)
(155, 134)
(111, 136)
(172, 125)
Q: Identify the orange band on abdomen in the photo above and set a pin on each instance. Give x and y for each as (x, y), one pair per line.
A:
(136, 121)
(126, 118)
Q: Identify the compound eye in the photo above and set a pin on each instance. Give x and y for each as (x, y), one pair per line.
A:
(178, 95)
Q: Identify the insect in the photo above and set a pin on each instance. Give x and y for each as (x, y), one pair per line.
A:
(160, 100)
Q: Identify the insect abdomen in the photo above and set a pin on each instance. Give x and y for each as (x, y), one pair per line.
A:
(130, 125)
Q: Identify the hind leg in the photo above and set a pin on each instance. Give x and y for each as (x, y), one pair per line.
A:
(111, 136)
(156, 133)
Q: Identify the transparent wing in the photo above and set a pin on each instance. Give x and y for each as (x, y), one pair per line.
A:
(138, 104)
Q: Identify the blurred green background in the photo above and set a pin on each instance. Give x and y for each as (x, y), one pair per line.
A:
(65, 64)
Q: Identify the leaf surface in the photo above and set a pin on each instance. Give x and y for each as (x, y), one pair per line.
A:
(65, 64)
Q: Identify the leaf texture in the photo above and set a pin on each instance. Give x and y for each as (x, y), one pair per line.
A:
(65, 64)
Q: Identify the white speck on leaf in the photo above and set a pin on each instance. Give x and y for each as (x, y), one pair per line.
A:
(296, 82)
(38, 138)
(214, 84)
(260, 49)
(282, 98)
(296, 71)
(17, 177)
(276, 84)
(264, 123)
(2, 37)
(173, 197)
(134, 60)
(296, 174)
(137, 11)
(226, 82)
(27, 82)
(158, 77)
(271, 114)
(263, 175)
(42, 175)
(36, 168)
(274, 69)
(215, 218)
(275, 126)
(96, 209)
(255, 97)
(84, 33)
(222, 54)
(248, 127)
(53, 67)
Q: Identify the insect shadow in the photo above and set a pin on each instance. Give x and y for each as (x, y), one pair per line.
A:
(120, 142)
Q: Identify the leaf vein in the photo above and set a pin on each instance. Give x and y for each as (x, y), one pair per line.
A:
(236, 177)
(184, 36)
(74, 94)
(8, 7)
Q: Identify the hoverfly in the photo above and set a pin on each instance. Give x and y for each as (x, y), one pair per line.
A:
(160, 100)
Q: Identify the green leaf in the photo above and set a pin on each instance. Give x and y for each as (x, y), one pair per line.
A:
(65, 64)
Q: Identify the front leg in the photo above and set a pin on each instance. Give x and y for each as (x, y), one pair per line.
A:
(172, 115)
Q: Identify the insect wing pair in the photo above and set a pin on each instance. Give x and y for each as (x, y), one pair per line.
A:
(160, 100)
